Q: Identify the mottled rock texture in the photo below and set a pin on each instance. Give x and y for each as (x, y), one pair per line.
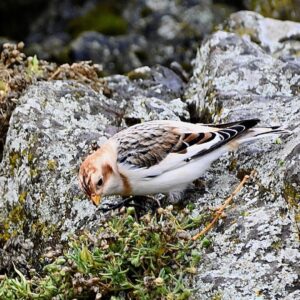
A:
(255, 250)
(50, 133)
(282, 43)
(121, 35)
(158, 32)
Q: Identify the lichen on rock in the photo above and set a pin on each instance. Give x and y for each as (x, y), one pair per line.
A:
(256, 249)
(252, 253)
(51, 132)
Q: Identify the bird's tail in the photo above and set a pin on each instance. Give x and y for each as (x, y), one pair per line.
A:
(243, 131)
(261, 132)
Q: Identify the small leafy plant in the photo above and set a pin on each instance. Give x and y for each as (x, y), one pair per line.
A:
(127, 258)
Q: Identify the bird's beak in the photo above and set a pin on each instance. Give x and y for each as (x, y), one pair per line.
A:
(96, 199)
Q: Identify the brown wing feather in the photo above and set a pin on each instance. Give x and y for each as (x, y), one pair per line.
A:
(147, 144)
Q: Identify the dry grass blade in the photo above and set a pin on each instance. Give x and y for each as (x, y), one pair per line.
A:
(222, 208)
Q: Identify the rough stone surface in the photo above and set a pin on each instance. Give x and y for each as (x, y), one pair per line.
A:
(255, 252)
(154, 32)
(50, 133)
(282, 43)
(117, 54)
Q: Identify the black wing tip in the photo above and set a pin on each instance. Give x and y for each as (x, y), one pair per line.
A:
(275, 127)
(252, 122)
(249, 123)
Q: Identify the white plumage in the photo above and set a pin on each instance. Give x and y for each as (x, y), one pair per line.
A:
(161, 156)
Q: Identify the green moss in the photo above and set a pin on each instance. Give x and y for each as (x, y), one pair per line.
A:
(22, 197)
(135, 75)
(78, 95)
(279, 9)
(38, 228)
(16, 157)
(4, 232)
(16, 215)
(14, 161)
(12, 225)
(245, 214)
(292, 195)
(52, 165)
(127, 258)
(104, 18)
(277, 245)
(233, 165)
(33, 173)
(248, 31)
(30, 158)
(217, 296)
(206, 243)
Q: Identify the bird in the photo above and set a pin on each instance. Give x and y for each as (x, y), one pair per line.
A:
(162, 156)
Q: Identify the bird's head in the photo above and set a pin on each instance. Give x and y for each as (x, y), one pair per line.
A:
(97, 175)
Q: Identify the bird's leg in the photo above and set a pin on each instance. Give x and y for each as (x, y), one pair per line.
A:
(153, 199)
(137, 203)
(124, 202)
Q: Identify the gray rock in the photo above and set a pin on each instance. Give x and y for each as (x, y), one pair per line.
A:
(147, 90)
(292, 174)
(154, 32)
(255, 252)
(282, 43)
(50, 133)
(117, 54)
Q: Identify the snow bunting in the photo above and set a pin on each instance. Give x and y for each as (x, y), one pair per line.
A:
(161, 156)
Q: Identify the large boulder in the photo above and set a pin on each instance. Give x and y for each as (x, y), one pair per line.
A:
(50, 133)
(282, 42)
(255, 250)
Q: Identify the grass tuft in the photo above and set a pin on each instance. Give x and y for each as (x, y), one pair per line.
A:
(150, 257)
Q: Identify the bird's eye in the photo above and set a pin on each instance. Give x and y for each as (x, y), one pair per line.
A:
(100, 182)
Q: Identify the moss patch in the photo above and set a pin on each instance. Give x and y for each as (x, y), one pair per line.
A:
(127, 258)
(14, 161)
(104, 18)
(292, 196)
(52, 165)
(278, 9)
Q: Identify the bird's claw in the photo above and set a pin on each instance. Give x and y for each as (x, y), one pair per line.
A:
(130, 201)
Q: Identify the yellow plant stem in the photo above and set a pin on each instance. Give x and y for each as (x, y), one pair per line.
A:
(220, 211)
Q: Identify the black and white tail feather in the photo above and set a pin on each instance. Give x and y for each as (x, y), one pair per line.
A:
(246, 132)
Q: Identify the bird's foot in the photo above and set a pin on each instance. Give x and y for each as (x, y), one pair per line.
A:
(123, 202)
(136, 201)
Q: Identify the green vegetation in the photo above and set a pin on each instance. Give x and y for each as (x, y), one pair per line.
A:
(105, 18)
(33, 68)
(292, 196)
(127, 258)
(279, 9)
